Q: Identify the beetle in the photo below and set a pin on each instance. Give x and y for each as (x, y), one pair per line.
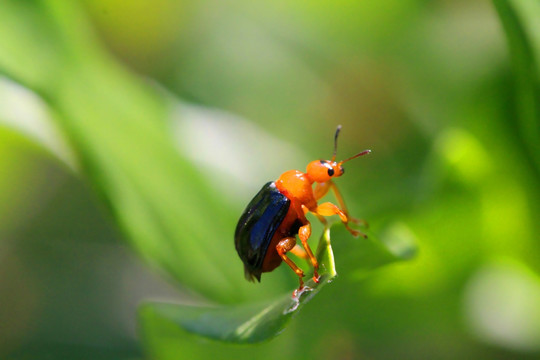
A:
(267, 228)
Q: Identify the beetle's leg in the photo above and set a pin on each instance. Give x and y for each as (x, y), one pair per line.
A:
(342, 205)
(304, 233)
(321, 189)
(298, 251)
(285, 245)
(322, 219)
(329, 209)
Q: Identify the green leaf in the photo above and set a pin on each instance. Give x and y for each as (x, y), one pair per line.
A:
(256, 322)
(361, 256)
(245, 323)
(520, 22)
(117, 126)
(26, 113)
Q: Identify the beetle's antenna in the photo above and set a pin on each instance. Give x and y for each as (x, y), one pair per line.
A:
(365, 152)
(335, 143)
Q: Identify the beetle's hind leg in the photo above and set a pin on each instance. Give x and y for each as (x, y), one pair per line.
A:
(285, 245)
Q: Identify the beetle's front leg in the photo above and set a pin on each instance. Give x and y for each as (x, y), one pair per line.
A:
(329, 209)
(343, 207)
(321, 189)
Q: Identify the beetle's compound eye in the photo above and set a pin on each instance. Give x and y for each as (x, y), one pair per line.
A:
(330, 170)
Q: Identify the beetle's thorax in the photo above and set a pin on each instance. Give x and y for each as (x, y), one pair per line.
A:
(297, 186)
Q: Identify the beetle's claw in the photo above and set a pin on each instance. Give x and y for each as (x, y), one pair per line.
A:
(355, 233)
(359, 233)
(298, 292)
(360, 222)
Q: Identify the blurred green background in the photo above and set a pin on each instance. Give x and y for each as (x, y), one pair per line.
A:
(132, 135)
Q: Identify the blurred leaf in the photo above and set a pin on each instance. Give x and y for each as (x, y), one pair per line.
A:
(361, 256)
(520, 22)
(117, 126)
(501, 304)
(22, 110)
(256, 322)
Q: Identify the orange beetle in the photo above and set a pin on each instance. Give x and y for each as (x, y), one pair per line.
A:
(268, 226)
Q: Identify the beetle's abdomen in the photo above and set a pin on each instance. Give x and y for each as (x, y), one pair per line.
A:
(257, 225)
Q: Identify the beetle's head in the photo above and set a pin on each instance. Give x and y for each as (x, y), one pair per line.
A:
(323, 170)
